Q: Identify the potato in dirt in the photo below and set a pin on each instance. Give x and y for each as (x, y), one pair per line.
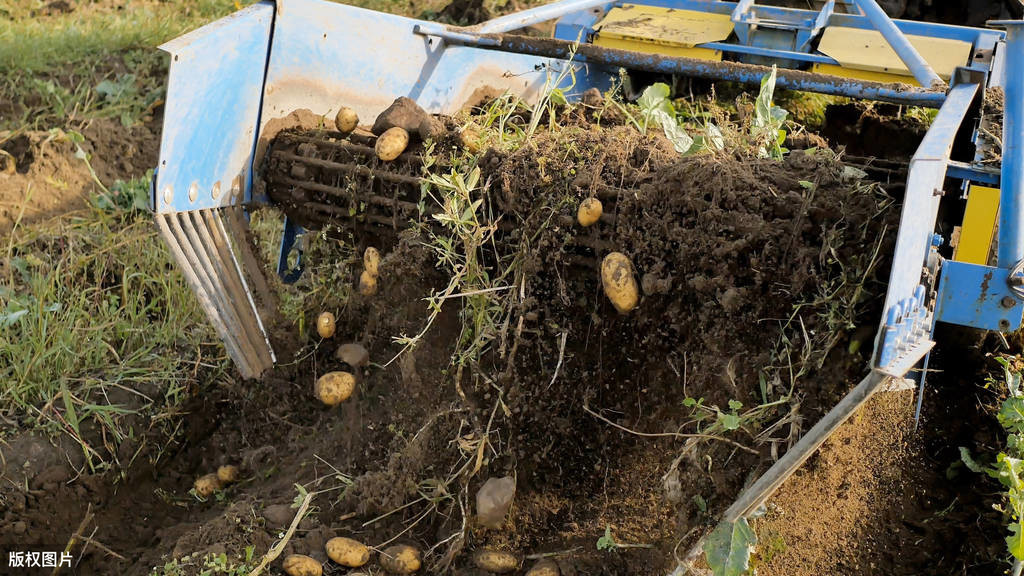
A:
(325, 324)
(391, 144)
(334, 388)
(496, 561)
(346, 120)
(206, 485)
(300, 565)
(619, 282)
(347, 552)
(400, 559)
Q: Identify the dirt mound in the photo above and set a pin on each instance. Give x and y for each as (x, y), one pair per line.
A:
(46, 177)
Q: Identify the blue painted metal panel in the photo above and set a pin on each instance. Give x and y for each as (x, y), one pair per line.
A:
(210, 119)
(326, 55)
(978, 296)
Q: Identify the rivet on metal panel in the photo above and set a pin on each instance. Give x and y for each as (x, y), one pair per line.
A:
(236, 188)
(168, 194)
(215, 193)
(193, 192)
(1004, 324)
(1008, 302)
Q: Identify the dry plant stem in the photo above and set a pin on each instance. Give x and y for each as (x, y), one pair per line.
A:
(552, 554)
(276, 549)
(77, 534)
(587, 409)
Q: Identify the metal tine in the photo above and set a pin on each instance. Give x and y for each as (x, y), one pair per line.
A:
(199, 289)
(236, 227)
(231, 290)
(237, 282)
(220, 297)
(188, 244)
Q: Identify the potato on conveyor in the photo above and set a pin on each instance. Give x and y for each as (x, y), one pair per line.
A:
(347, 552)
(299, 565)
(391, 144)
(346, 120)
(334, 388)
(325, 324)
(400, 559)
(619, 282)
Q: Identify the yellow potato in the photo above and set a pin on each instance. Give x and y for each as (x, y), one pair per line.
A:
(589, 212)
(496, 561)
(391, 143)
(325, 324)
(334, 388)
(346, 120)
(206, 485)
(471, 138)
(371, 260)
(400, 559)
(347, 552)
(544, 567)
(619, 283)
(227, 474)
(299, 565)
(367, 283)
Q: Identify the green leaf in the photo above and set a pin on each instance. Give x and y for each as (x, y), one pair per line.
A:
(655, 98)
(1014, 541)
(702, 504)
(735, 405)
(729, 421)
(606, 542)
(680, 140)
(969, 461)
(728, 548)
(1011, 414)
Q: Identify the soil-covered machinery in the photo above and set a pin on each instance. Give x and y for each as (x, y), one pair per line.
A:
(959, 256)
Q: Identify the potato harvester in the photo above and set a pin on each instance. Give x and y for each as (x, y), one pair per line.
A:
(958, 259)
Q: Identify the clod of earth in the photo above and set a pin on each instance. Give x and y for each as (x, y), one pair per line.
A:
(391, 144)
(400, 559)
(493, 501)
(325, 325)
(353, 354)
(346, 120)
(206, 485)
(347, 552)
(431, 129)
(544, 567)
(403, 113)
(227, 474)
(299, 565)
(589, 212)
(619, 282)
(334, 388)
(496, 561)
(592, 97)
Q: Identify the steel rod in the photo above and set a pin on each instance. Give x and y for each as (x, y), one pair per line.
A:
(1011, 195)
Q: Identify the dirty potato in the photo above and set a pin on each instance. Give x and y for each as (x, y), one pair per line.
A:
(367, 283)
(371, 260)
(206, 485)
(400, 559)
(496, 561)
(471, 138)
(346, 120)
(347, 552)
(334, 388)
(299, 565)
(619, 282)
(589, 212)
(325, 325)
(391, 144)
(544, 567)
(227, 474)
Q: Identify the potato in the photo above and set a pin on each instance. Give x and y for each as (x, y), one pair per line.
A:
(400, 559)
(346, 120)
(347, 552)
(471, 138)
(325, 324)
(371, 260)
(367, 283)
(391, 144)
(206, 485)
(334, 388)
(544, 567)
(589, 212)
(496, 561)
(299, 565)
(227, 474)
(619, 283)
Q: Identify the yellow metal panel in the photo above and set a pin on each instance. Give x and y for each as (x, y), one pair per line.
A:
(866, 75)
(663, 31)
(868, 50)
(979, 225)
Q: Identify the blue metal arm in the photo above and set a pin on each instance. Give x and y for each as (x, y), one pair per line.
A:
(1011, 197)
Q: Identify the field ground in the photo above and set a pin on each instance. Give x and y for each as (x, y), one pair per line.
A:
(115, 394)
